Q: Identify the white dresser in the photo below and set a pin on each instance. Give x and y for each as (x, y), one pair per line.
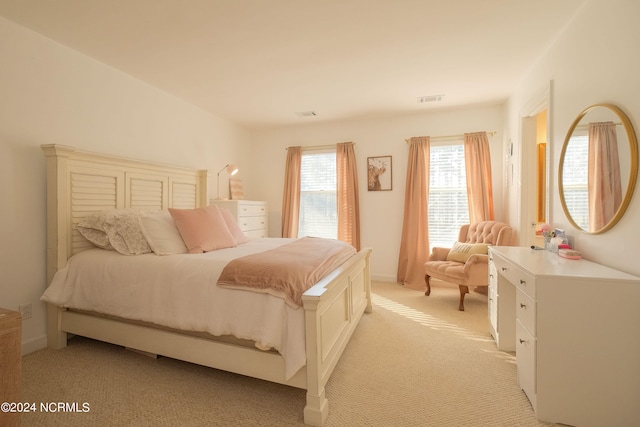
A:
(575, 328)
(251, 215)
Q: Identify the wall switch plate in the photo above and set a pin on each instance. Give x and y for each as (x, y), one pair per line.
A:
(25, 310)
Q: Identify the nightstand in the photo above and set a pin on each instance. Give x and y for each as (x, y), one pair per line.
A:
(10, 363)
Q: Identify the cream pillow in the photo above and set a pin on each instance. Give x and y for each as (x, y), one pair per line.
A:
(161, 233)
(202, 229)
(461, 252)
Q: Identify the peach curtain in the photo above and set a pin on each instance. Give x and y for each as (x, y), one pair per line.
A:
(605, 192)
(414, 246)
(478, 168)
(348, 204)
(291, 195)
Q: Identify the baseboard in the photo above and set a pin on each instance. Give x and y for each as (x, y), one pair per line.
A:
(382, 278)
(34, 345)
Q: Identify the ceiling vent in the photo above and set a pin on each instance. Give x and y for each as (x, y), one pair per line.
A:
(306, 114)
(430, 98)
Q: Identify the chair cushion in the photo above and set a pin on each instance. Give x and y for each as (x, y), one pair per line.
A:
(450, 271)
(461, 252)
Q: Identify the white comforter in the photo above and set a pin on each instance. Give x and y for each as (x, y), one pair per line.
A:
(180, 291)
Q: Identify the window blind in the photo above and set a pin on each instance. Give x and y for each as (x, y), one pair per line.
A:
(448, 205)
(575, 179)
(318, 196)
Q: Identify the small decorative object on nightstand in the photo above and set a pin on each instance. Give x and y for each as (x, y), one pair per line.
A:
(10, 364)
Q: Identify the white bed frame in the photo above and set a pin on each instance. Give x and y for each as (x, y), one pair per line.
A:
(80, 182)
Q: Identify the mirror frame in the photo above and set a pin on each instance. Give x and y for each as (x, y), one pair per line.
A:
(633, 171)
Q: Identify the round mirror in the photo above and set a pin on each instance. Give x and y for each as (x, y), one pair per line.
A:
(598, 168)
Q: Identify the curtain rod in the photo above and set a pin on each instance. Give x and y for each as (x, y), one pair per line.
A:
(318, 147)
(453, 136)
(585, 126)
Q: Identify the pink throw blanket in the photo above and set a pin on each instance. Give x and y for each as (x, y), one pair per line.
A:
(289, 270)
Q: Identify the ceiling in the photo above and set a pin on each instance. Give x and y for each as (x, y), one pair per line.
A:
(261, 62)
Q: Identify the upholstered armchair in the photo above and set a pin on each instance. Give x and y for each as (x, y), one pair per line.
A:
(466, 263)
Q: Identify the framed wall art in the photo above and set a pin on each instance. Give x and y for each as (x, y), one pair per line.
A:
(379, 173)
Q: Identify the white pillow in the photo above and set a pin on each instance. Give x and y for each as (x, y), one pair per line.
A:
(161, 233)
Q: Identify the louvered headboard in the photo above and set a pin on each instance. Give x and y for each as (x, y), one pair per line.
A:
(80, 183)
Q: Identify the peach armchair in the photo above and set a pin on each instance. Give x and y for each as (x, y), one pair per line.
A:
(466, 263)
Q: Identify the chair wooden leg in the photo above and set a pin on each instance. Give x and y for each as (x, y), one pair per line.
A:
(427, 278)
(463, 291)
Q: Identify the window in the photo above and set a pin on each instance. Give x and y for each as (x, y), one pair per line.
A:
(448, 204)
(318, 196)
(575, 179)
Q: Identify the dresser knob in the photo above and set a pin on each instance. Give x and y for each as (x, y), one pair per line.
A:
(523, 305)
(522, 282)
(522, 341)
(504, 268)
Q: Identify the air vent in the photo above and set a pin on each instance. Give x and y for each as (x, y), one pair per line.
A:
(306, 114)
(430, 98)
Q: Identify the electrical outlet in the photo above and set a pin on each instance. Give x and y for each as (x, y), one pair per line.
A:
(25, 310)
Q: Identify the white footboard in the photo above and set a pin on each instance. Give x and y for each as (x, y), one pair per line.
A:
(333, 308)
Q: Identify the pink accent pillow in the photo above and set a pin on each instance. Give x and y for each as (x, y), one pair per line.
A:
(233, 226)
(202, 229)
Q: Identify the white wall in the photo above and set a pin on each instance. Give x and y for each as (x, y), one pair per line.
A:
(52, 95)
(595, 60)
(381, 211)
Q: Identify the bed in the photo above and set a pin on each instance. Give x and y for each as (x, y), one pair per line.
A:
(80, 183)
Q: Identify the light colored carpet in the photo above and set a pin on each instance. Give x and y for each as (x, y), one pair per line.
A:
(414, 361)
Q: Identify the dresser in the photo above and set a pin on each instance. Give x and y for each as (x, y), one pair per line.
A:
(251, 215)
(574, 326)
(10, 363)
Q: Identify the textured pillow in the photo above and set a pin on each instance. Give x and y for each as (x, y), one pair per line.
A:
(161, 233)
(234, 228)
(461, 252)
(116, 229)
(202, 229)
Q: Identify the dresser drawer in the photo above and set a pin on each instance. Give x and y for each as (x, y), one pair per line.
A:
(526, 311)
(526, 360)
(256, 234)
(492, 305)
(252, 223)
(493, 275)
(515, 275)
(247, 209)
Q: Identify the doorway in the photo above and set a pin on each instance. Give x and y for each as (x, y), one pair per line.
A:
(534, 161)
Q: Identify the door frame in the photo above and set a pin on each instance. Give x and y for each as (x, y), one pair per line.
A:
(528, 151)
